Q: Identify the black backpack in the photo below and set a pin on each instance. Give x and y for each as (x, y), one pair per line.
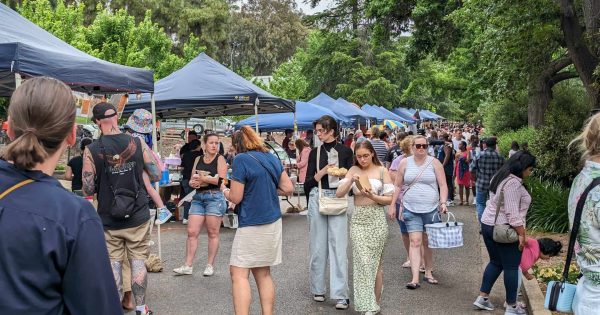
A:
(124, 201)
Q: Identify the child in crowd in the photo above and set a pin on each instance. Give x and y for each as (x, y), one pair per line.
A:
(535, 249)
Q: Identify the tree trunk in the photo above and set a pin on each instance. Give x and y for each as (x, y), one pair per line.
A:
(540, 91)
(579, 51)
(540, 95)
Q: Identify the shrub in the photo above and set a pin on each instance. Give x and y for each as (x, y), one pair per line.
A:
(503, 115)
(548, 210)
(522, 135)
(554, 161)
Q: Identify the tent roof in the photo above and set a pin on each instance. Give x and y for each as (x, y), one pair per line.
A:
(306, 114)
(404, 113)
(374, 111)
(433, 115)
(351, 108)
(206, 88)
(347, 112)
(27, 49)
(394, 116)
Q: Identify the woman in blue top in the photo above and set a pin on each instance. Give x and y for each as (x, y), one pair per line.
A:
(53, 256)
(257, 179)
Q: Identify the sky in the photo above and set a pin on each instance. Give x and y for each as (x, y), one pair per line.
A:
(305, 7)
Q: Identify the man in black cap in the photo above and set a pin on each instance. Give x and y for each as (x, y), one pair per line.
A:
(112, 170)
(192, 135)
(486, 165)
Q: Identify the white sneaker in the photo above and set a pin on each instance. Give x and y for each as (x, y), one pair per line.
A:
(521, 304)
(483, 304)
(371, 312)
(184, 270)
(184, 222)
(304, 212)
(319, 298)
(209, 271)
(516, 309)
(342, 304)
(450, 203)
(474, 203)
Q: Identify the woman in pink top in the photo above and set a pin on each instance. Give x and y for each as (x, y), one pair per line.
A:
(506, 257)
(302, 161)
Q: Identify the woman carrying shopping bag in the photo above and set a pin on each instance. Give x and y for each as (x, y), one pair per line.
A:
(424, 195)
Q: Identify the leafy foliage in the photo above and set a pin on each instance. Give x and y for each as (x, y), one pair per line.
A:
(548, 210)
(523, 135)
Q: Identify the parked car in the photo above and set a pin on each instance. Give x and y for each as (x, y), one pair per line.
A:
(220, 125)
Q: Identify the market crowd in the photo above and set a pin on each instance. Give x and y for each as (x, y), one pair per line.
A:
(91, 259)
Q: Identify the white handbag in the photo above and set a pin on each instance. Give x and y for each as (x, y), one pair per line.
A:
(330, 205)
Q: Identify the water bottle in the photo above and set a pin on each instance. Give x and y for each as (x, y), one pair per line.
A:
(165, 177)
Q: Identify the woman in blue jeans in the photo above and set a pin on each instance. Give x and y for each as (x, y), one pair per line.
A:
(208, 205)
(424, 193)
(512, 210)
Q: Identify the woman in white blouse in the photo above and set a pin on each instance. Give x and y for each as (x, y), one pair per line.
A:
(368, 227)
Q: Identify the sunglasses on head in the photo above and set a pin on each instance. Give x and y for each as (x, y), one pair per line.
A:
(421, 146)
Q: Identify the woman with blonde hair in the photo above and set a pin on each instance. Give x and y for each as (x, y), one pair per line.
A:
(52, 249)
(257, 180)
(587, 299)
(425, 195)
(368, 226)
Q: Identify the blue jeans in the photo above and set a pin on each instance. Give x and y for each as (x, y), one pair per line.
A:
(480, 200)
(503, 257)
(328, 239)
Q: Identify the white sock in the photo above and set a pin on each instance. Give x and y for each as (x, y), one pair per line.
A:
(140, 308)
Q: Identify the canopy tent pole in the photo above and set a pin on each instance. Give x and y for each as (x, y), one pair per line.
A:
(256, 102)
(18, 80)
(185, 133)
(155, 148)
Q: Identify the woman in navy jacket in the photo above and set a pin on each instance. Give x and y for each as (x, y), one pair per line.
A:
(53, 257)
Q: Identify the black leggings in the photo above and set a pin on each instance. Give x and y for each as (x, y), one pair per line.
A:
(450, 184)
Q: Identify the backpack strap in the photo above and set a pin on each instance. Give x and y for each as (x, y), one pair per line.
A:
(15, 187)
(196, 163)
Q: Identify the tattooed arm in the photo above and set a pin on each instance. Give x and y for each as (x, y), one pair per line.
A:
(88, 174)
(150, 163)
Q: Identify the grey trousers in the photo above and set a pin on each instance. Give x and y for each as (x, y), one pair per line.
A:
(328, 239)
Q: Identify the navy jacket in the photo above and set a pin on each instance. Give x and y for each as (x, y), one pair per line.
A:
(53, 257)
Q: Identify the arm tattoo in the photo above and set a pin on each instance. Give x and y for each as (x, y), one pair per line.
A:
(150, 164)
(88, 176)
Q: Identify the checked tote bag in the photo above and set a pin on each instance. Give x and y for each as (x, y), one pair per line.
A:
(447, 234)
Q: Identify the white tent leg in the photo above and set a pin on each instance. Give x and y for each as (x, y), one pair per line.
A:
(155, 148)
(256, 112)
(18, 80)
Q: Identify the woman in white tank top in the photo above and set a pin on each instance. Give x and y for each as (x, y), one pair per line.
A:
(425, 193)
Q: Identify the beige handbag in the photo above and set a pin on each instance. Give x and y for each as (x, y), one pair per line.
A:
(330, 205)
(503, 233)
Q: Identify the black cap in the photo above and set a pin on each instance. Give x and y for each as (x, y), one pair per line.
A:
(192, 133)
(99, 111)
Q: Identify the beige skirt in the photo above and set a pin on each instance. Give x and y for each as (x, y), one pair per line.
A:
(257, 246)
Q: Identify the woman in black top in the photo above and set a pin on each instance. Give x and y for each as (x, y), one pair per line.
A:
(328, 234)
(74, 168)
(208, 205)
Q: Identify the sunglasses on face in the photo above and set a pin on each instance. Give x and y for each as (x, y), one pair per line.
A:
(421, 146)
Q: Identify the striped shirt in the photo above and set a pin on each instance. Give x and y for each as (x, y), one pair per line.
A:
(423, 196)
(380, 149)
(516, 203)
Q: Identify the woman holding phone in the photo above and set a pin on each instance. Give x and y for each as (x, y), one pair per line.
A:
(208, 205)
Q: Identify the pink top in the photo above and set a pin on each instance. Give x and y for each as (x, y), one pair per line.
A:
(516, 203)
(303, 164)
(531, 253)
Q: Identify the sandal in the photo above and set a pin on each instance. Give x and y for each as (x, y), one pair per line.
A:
(431, 280)
(406, 264)
(422, 269)
(412, 286)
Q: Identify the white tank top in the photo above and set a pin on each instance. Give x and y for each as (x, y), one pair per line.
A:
(424, 195)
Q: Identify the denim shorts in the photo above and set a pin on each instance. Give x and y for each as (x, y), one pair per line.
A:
(415, 222)
(403, 229)
(208, 203)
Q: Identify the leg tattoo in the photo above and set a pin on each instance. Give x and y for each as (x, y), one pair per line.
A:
(117, 269)
(139, 281)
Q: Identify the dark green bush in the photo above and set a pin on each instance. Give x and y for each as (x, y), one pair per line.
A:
(548, 210)
(554, 160)
(522, 135)
(504, 115)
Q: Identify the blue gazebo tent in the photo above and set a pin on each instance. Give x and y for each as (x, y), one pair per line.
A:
(373, 111)
(205, 88)
(306, 114)
(26, 50)
(355, 110)
(404, 113)
(344, 111)
(395, 116)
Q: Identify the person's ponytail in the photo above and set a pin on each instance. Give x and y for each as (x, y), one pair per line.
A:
(41, 115)
(26, 151)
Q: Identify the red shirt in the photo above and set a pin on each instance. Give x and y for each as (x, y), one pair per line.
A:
(531, 253)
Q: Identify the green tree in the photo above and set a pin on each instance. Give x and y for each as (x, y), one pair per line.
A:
(265, 34)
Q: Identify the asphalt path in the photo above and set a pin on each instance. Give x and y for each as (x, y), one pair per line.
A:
(458, 271)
